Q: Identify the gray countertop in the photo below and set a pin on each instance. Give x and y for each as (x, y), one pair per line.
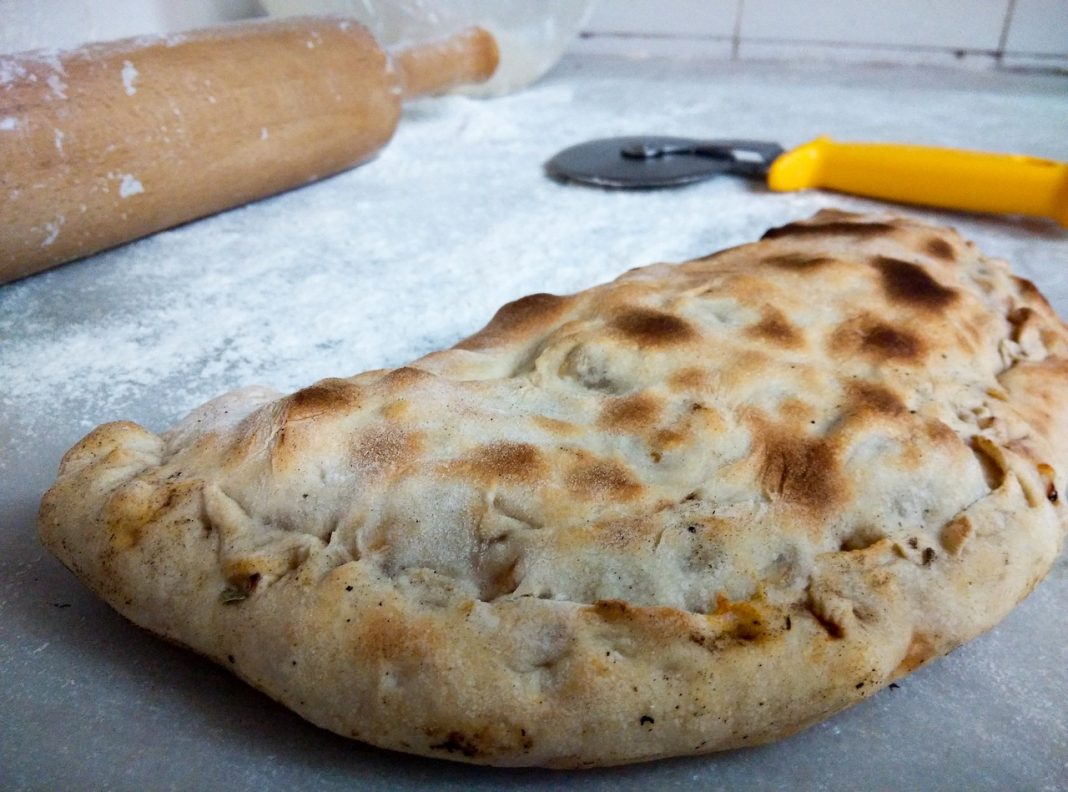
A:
(408, 254)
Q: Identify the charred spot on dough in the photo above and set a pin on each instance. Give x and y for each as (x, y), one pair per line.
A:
(507, 461)
(877, 398)
(1018, 317)
(1026, 287)
(653, 328)
(324, 397)
(385, 449)
(833, 228)
(405, 377)
(955, 533)
(940, 249)
(939, 432)
(775, 328)
(625, 535)
(384, 635)
(633, 414)
(132, 508)
(800, 471)
(689, 379)
(456, 742)
(698, 421)
(909, 284)
(889, 342)
(742, 621)
(611, 610)
(602, 479)
(748, 367)
(500, 737)
(834, 213)
(516, 318)
(395, 410)
(1030, 291)
(797, 261)
(555, 426)
(666, 440)
(797, 409)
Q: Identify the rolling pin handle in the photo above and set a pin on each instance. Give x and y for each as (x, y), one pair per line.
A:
(433, 67)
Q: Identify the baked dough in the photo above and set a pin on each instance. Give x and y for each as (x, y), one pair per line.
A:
(700, 507)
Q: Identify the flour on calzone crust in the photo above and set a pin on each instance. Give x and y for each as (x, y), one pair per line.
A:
(700, 507)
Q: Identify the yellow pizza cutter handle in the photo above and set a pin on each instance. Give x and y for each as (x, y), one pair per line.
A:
(971, 181)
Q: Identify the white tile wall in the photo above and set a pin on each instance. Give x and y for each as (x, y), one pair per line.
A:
(689, 18)
(967, 33)
(963, 24)
(984, 33)
(1039, 26)
(34, 24)
(661, 46)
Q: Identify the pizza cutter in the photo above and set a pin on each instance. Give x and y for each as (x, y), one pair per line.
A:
(971, 181)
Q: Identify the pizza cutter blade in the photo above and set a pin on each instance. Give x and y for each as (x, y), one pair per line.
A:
(972, 181)
(656, 161)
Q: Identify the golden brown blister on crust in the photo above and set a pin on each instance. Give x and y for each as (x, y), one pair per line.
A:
(700, 507)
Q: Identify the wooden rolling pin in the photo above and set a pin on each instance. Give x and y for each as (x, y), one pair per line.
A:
(110, 142)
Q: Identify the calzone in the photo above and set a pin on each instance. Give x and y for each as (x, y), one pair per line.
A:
(697, 508)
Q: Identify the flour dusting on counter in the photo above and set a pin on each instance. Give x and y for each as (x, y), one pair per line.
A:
(418, 248)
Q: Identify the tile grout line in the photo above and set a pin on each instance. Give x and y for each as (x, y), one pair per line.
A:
(1003, 39)
(872, 45)
(736, 38)
(625, 35)
(931, 48)
(893, 54)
